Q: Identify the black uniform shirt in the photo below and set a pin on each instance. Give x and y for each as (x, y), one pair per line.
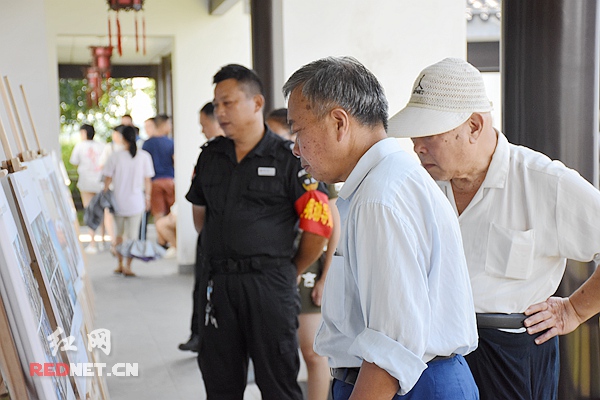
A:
(250, 206)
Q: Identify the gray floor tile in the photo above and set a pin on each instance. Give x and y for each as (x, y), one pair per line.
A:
(148, 316)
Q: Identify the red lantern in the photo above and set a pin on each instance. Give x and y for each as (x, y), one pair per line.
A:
(101, 57)
(126, 5)
(99, 70)
(94, 92)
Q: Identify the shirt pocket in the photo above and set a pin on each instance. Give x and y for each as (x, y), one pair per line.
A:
(510, 252)
(265, 191)
(334, 295)
(214, 191)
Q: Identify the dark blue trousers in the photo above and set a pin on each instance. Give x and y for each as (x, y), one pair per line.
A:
(511, 366)
(448, 379)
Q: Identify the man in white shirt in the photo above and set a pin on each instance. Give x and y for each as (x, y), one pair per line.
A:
(521, 216)
(397, 308)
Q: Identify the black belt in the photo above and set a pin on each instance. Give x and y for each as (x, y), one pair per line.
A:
(500, 321)
(349, 375)
(245, 265)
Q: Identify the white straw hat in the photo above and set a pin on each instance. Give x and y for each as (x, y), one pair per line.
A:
(444, 96)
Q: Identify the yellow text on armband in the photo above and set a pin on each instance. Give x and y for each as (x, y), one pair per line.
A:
(318, 212)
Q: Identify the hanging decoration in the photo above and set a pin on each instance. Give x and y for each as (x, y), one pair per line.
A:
(97, 72)
(126, 5)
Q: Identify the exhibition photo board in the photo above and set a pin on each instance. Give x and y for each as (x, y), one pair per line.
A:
(25, 309)
(46, 256)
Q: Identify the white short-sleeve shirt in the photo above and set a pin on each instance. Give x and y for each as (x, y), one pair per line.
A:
(529, 215)
(128, 178)
(86, 156)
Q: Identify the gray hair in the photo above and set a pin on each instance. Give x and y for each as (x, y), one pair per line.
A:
(341, 82)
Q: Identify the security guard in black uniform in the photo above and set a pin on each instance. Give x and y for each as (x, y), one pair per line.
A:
(250, 194)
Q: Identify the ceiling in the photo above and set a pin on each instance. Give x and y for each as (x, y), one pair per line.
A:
(76, 49)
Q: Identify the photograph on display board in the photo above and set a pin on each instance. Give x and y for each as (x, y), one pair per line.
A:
(67, 273)
(63, 192)
(54, 274)
(29, 322)
(42, 322)
(33, 290)
(45, 331)
(56, 212)
(60, 289)
(42, 239)
(70, 244)
(65, 308)
(55, 163)
(67, 311)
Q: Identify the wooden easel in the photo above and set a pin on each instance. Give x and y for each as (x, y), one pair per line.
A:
(23, 155)
(40, 151)
(10, 363)
(26, 154)
(11, 164)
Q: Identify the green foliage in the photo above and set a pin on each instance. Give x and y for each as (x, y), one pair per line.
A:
(114, 103)
(66, 149)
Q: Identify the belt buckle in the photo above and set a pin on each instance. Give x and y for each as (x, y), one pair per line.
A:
(231, 265)
(346, 375)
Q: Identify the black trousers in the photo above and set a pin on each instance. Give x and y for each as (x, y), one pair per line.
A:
(257, 316)
(197, 311)
(511, 366)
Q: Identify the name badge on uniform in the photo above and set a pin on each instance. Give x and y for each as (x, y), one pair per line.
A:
(266, 171)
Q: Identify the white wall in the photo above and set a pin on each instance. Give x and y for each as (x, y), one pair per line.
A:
(25, 59)
(201, 45)
(394, 39)
(201, 48)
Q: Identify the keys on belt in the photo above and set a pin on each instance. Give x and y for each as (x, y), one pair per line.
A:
(209, 310)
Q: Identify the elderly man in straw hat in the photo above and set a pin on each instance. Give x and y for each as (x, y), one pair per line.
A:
(397, 307)
(521, 216)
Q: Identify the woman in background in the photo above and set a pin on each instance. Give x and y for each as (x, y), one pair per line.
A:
(114, 145)
(86, 156)
(129, 170)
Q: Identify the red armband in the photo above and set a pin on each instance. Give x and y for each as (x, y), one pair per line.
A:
(315, 216)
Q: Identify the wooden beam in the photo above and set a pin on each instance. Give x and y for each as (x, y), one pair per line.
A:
(261, 12)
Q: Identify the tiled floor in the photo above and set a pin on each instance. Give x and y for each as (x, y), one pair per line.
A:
(148, 316)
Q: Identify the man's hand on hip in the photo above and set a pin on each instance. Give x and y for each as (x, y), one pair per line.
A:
(556, 316)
